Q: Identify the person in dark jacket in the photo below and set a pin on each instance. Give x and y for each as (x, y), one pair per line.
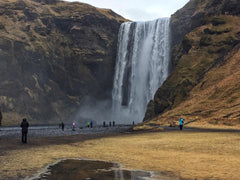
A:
(62, 126)
(24, 126)
(0, 117)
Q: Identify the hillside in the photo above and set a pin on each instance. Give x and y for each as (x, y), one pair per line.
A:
(52, 54)
(204, 84)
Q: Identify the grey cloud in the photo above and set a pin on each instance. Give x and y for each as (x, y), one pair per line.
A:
(139, 10)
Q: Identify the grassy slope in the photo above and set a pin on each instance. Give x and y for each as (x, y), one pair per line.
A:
(210, 73)
(15, 28)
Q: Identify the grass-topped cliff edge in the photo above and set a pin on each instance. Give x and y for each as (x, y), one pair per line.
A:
(205, 78)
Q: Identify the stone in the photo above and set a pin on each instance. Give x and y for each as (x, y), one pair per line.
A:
(53, 54)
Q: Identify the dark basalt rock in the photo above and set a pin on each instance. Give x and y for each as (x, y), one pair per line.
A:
(47, 1)
(0, 118)
(52, 54)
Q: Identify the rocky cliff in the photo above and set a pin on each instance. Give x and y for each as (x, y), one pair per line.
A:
(52, 54)
(195, 13)
(204, 82)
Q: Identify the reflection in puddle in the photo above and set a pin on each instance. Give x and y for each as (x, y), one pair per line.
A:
(91, 170)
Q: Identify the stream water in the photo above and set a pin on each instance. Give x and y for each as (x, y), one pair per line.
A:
(90, 170)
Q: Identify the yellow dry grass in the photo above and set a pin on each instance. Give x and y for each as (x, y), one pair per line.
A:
(147, 127)
(191, 155)
(216, 97)
(214, 102)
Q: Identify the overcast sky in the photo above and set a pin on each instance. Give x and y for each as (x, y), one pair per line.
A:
(139, 10)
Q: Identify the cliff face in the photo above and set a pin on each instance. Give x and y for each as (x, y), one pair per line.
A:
(206, 41)
(52, 54)
(195, 14)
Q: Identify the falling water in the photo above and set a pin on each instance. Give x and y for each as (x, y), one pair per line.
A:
(141, 67)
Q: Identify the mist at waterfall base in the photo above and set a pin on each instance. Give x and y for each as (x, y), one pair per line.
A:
(93, 110)
(142, 65)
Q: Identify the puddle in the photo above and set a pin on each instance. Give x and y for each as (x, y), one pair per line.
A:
(90, 170)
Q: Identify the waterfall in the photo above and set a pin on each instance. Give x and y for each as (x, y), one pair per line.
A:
(141, 67)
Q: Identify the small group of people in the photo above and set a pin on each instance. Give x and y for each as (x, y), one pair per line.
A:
(61, 125)
(90, 124)
(110, 124)
(24, 125)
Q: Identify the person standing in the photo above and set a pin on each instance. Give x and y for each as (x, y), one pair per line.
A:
(24, 126)
(0, 117)
(73, 128)
(181, 121)
(91, 124)
(62, 126)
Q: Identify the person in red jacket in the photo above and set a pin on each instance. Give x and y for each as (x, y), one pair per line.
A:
(24, 126)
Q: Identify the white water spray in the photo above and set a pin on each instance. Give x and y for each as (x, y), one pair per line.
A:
(141, 67)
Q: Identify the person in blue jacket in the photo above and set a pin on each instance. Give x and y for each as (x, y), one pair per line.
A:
(181, 121)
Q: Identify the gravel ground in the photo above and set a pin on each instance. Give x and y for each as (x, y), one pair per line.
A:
(54, 131)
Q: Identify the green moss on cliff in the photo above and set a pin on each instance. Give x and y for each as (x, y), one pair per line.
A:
(200, 51)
